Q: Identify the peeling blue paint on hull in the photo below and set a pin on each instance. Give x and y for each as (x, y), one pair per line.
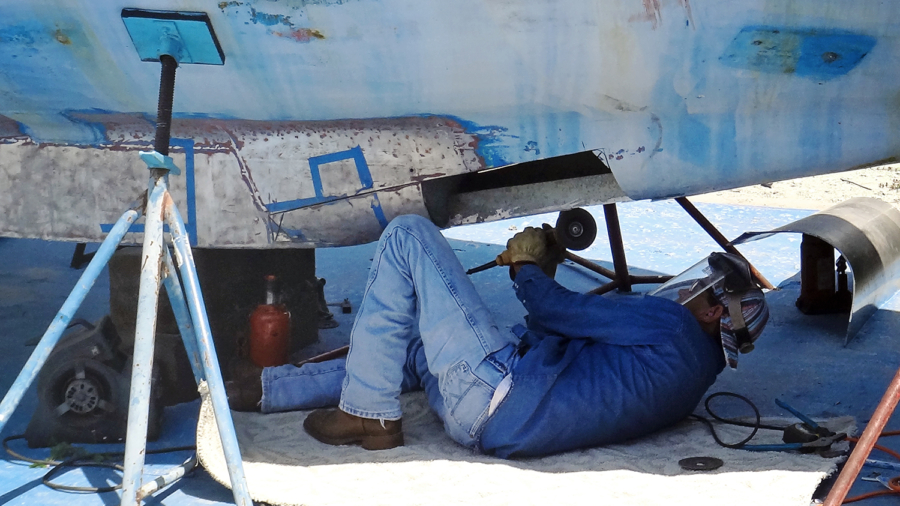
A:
(680, 97)
(809, 53)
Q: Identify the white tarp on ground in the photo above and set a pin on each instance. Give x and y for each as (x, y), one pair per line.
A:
(285, 466)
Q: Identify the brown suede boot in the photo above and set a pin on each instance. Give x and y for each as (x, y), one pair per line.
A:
(335, 427)
(243, 396)
(244, 390)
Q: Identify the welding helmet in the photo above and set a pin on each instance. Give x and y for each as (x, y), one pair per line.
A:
(728, 277)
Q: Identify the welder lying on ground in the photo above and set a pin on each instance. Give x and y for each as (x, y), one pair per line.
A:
(588, 370)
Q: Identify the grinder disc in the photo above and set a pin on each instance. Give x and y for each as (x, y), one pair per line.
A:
(700, 463)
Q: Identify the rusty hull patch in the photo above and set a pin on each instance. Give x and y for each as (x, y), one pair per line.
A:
(243, 170)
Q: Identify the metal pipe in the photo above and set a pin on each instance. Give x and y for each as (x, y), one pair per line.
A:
(866, 442)
(182, 315)
(162, 481)
(591, 266)
(720, 239)
(64, 316)
(185, 260)
(647, 280)
(144, 336)
(328, 355)
(600, 290)
(617, 247)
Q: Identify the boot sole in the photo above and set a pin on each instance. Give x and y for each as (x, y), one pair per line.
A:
(382, 442)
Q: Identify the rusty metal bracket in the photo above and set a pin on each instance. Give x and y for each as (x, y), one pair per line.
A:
(866, 231)
(622, 280)
(720, 239)
(865, 444)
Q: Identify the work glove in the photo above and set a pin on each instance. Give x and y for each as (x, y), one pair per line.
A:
(529, 245)
(555, 254)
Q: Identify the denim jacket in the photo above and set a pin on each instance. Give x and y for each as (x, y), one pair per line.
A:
(597, 370)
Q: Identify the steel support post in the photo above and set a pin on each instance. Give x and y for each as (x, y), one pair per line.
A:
(213, 374)
(190, 313)
(720, 239)
(182, 315)
(866, 442)
(144, 337)
(622, 279)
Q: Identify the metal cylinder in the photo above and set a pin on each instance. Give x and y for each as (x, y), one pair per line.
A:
(164, 107)
(866, 442)
(618, 248)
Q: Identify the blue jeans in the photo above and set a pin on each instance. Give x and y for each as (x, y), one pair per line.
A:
(421, 324)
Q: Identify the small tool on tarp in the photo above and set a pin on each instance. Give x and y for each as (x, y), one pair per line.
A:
(805, 437)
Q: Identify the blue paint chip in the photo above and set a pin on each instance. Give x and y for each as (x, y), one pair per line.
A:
(533, 146)
(808, 52)
(267, 19)
(492, 144)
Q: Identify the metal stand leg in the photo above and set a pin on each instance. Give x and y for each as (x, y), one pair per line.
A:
(182, 316)
(617, 246)
(622, 280)
(720, 239)
(866, 442)
(190, 312)
(210, 363)
(620, 277)
(64, 316)
(144, 338)
(187, 304)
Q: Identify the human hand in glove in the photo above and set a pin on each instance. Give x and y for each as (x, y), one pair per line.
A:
(529, 245)
(556, 252)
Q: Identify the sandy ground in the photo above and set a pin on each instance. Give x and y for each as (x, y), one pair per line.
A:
(816, 192)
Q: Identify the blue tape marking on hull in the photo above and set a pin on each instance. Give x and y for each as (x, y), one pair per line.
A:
(315, 162)
(191, 225)
(379, 212)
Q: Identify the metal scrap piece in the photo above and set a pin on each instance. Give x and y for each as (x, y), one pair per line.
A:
(867, 232)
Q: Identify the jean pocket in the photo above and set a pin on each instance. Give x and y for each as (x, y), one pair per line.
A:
(466, 397)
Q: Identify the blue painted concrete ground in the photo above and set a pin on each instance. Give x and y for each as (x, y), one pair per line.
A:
(799, 359)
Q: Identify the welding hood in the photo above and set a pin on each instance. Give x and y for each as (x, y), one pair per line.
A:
(720, 271)
(728, 277)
